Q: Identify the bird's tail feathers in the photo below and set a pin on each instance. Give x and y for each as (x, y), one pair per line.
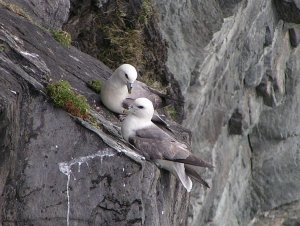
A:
(183, 177)
(195, 161)
(178, 170)
(192, 173)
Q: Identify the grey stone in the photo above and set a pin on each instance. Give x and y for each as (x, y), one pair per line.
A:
(228, 6)
(255, 73)
(48, 14)
(288, 10)
(294, 36)
(187, 26)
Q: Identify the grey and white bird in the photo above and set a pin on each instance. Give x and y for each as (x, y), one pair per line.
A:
(118, 87)
(121, 89)
(158, 146)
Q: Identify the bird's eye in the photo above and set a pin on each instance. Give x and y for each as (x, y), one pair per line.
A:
(140, 107)
(126, 75)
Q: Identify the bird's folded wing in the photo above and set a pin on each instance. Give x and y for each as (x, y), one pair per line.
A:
(156, 144)
(154, 132)
(192, 173)
(127, 102)
(141, 90)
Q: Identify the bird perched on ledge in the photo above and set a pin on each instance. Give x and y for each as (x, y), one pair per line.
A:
(158, 146)
(117, 88)
(120, 90)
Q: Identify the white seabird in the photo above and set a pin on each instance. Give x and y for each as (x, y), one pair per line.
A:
(117, 88)
(116, 92)
(158, 146)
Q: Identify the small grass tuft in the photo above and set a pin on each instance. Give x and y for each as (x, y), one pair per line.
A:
(171, 112)
(95, 85)
(63, 37)
(2, 48)
(124, 45)
(63, 96)
(145, 13)
(122, 32)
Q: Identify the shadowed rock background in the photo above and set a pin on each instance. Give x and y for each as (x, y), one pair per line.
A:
(234, 64)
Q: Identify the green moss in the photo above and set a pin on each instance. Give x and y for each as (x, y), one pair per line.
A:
(171, 112)
(2, 47)
(63, 37)
(123, 45)
(123, 40)
(123, 34)
(153, 82)
(63, 96)
(145, 13)
(95, 85)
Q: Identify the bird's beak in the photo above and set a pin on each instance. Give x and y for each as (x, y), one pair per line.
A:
(129, 87)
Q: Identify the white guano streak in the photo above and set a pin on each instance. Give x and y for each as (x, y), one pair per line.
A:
(65, 168)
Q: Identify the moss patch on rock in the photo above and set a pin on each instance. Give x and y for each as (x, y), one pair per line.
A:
(63, 96)
(63, 37)
(123, 39)
(171, 112)
(95, 85)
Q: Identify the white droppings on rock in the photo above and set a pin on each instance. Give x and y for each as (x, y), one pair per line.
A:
(79, 165)
(75, 58)
(65, 168)
(34, 55)
(14, 92)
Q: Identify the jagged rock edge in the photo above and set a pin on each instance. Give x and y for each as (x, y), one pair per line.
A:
(110, 141)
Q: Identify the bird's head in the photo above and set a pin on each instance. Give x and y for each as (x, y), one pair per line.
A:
(126, 74)
(142, 108)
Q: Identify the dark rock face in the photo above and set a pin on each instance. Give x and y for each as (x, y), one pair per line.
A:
(288, 10)
(49, 14)
(294, 36)
(54, 171)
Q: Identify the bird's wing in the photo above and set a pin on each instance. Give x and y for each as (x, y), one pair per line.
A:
(127, 102)
(192, 173)
(142, 90)
(155, 144)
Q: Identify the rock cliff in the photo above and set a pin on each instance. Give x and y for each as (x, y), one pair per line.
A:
(234, 62)
(237, 63)
(56, 169)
